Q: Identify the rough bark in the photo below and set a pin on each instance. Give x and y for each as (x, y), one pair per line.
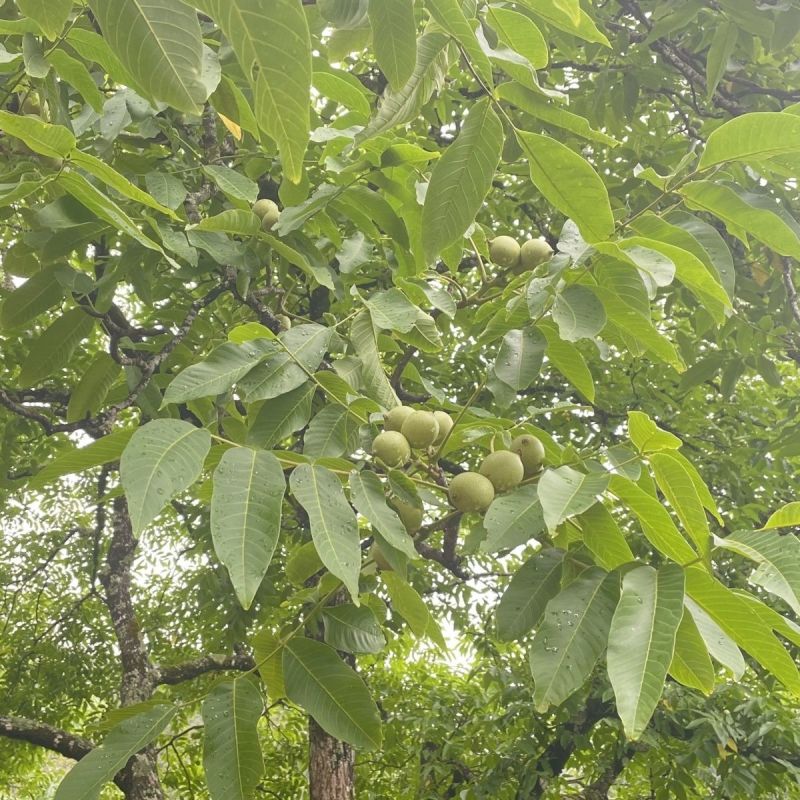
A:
(330, 766)
(178, 673)
(331, 762)
(139, 779)
(39, 733)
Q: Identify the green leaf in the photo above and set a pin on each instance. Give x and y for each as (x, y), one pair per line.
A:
(461, 179)
(216, 374)
(513, 519)
(233, 183)
(449, 14)
(411, 607)
(267, 652)
(578, 313)
(163, 457)
(85, 780)
(38, 294)
(74, 72)
(570, 184)
(344, 14)
(333, 432)
(689, 270)
(165, 188)
(780, 624)
(647, 436)
(49, 15)
(712, 246)
(79, 459)
(104, 207)
(641, 641)
(403, 105)
(785, 517)
(691, 665)
(719, 644)
(343, 87)
(752, 137)
(679, 489)
(278, 68)
(550, 112)
(657, 525)
(321, 683)
(639, 326)
(160, 45)
(738, 620)
(365, 342)
(231, 751)
(572, 636)
(568, 360)
(282, 416)
(119, 183)
(246, 516)
(700, 487)
(737, 213)
(534, 584)
(392, 310)
(235, 221)
(334, 528)
(11, 192)
(603, 537)
(726, 35)
(366, 491)
(519, 358)
(556, 14)
(394, 37)
(53, 141)
(521, 34)
(353, 629)
(303, 348)
(320, 273)
(92, 389)
(53, 349)
(778, 558)
(565, 492)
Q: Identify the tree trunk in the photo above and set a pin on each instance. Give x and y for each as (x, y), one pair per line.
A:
(139, 778)
(330, 766)
(330, 762)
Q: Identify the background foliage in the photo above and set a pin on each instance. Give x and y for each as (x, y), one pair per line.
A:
(188, 399)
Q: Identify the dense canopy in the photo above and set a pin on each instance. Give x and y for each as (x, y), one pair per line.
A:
(399, 398)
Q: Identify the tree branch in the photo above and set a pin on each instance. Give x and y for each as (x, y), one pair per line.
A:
(39, 733)
(178, 673)
(791, 290)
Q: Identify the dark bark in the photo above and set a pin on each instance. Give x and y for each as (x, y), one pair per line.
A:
(139, 779)
(331, 763)
(330, 766)
(43, 735)
(178, 673)
(554, 758)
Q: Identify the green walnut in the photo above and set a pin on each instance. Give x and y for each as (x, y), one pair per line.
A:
(393, 419)
(504, 251)
(268, 211)
(391, 448)
(504, 469)
(421, 429)
(471, 491)
(410, 516)
(532, 253)
(445, 425)
(531, 451)
(376, 554)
